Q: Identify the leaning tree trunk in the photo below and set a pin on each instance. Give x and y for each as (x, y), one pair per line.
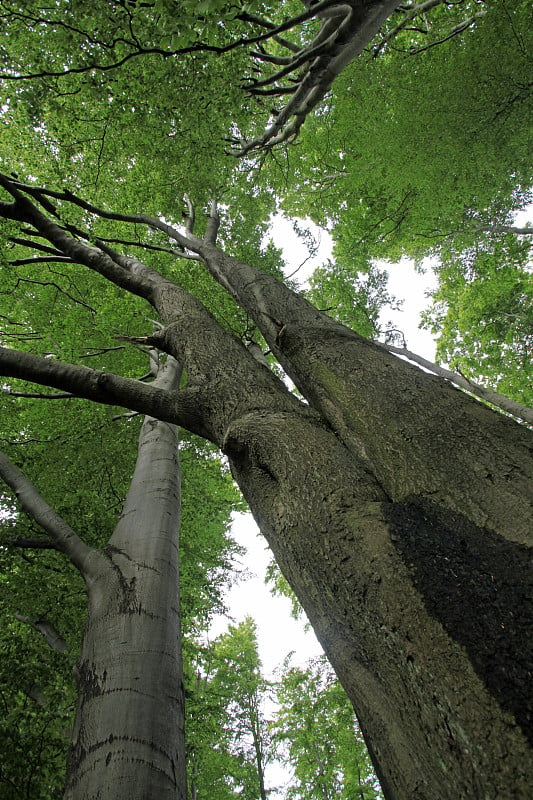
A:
(421, 612)
(128, 741)
(401, 519)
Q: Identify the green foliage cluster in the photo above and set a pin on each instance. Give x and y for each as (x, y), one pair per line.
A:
(417, 143)
(114, 109)
(37, 700)
(239, 723)
(228, 741)
(355, 294)
(318, 736)
(483, 313)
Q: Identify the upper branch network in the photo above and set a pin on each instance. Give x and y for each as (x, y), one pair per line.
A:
(305, 73)
(295, 59)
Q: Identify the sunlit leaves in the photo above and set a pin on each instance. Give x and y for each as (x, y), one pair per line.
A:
(483, 310)
(409, 145)
(353, 296)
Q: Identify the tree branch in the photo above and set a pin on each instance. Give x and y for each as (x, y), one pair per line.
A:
(459, 28)
(489, 395)
(410, 15)
(43, 248)
(22, 209)
(33, 504)
(42, 395)
(213, 224)
(47, 631)
(528, 231)
(104, 387)
(14, 211)
(333, 53)
(51, 283)
(272, 32)
(20, 262)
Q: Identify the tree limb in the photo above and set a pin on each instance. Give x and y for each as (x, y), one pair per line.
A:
(527, 231)
(51, 283)
(354, 31)
(20, 262)
(199, 47)
(25, 211)
(42, 395)
(33, 504)
(459, 28)
(103, 387)
(47, 631)
(489, 395)
(130, 274)
(410, 15)
(213, 224)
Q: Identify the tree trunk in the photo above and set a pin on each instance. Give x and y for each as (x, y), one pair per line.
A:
(128, 741)
(422, 613)
(257, 742)
(401, 518)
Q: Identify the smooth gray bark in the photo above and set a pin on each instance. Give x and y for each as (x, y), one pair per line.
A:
(128, 740)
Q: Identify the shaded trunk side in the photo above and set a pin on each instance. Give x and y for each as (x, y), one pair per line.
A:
(418, 435)
(128, 740)
(443, 705)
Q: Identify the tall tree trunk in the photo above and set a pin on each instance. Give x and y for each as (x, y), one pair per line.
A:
(403, 522)
(422, 613)
(258, 749)
(128, 741)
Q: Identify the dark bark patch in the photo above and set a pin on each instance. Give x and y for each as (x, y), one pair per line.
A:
(479, 586)
(90, 684)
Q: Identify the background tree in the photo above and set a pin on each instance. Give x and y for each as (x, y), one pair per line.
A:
(463, 129)
(38, 587)
(230, 683)
(319, 737)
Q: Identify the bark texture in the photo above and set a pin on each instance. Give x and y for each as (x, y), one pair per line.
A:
(434, 659)
(128, 739)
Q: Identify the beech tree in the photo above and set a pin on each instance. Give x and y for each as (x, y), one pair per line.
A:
(397, 507)
(319, 737)
(229, 678)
